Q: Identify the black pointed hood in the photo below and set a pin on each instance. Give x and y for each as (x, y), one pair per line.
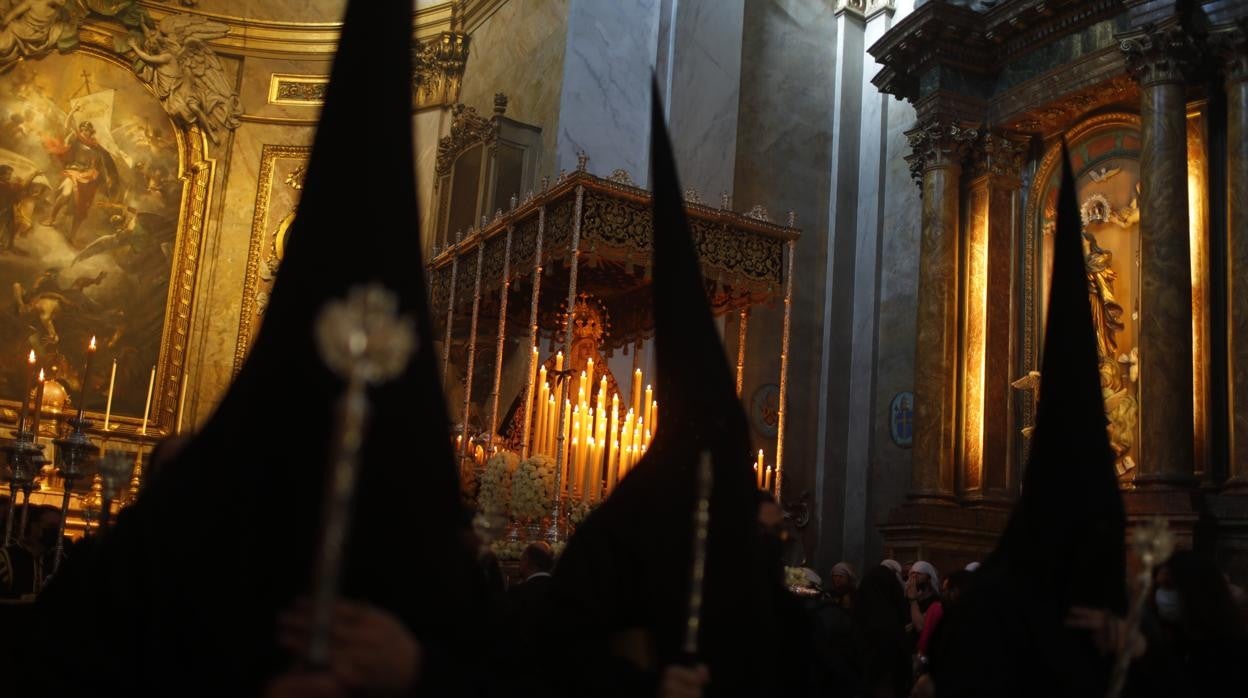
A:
(1063, 545)
(234, 517)
(1068, 524)
(644, 529)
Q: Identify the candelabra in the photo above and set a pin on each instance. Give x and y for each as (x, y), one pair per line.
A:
(74, 453)
(25, 459)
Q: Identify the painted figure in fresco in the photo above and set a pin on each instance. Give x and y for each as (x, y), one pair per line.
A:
(17, 206)
(88, 169)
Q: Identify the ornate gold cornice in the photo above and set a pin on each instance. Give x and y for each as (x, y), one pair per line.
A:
(1160, 54)
(939, 142)
(438, 69)
(268, 38)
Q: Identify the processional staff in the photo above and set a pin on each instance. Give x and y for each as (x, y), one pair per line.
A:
(364, 341)
(697, 573)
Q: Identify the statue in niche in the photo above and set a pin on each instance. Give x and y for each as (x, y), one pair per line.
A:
(1117, 370)
(591, 325)
(175, 59)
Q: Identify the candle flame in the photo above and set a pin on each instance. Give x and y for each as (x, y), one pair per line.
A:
(31, 358)
(41, 375)
(91, 347)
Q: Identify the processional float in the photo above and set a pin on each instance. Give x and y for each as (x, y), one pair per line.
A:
(562, 279)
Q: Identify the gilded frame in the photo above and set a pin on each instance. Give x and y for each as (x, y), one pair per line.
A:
(196, 171)
(262, 237)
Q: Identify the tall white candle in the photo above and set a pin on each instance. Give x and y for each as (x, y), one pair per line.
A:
(182, 401)
(108, 406)
(147, 409)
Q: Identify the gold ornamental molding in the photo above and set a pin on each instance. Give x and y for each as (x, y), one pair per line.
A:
(302, 90)
(266, 38)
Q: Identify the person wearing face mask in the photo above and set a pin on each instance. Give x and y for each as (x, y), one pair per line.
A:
(26, 563)
(1202, 629)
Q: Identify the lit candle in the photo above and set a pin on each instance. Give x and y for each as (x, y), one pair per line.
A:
(587, 488)
(587, 378)
(636, 394)
(612, 444)
(648, 406)
(86, 372)
(108, 406)
(759, 468)
(147, 409)
(576, 446)
(565, 445)
(626, 437)
(558, 362)
(459, 440)
(552, 413)
(539, 412)
(38, 406)
(30, 377)
(767, 485)
(614, 461)
(654, 417)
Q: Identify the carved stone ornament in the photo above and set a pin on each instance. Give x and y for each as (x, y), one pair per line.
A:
(863, 8)
(1231, 45)
(438, 69)
(172, 56)
(468, 128)
(1159, 54)
(1000, 155)
(621, 176)
(939, 142)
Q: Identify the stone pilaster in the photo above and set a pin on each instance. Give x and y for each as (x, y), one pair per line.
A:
(991, 222)
(1160, 58)
(1232, 46)
(938, 146)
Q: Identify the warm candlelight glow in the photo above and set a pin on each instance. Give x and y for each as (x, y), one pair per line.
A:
(38, 404)
(91, 346)
(31, 358)
(758, 469)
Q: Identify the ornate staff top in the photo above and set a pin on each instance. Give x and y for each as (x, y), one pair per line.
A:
(364, 340)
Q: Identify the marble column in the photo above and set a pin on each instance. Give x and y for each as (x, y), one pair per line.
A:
(604, 105)
(1233, 45)
(991, 226)
(938, 147)
(1158, 58)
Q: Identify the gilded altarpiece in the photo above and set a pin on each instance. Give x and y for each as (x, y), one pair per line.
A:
(102, 204)
(1105, 155)
(278, 185)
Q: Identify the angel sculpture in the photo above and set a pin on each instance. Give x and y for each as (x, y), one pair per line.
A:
(186, 73)
(31, 28)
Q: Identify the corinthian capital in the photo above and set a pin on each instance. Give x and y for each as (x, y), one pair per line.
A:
(1231, 45)
(1159, 54)
(999, 154)
(938, 142)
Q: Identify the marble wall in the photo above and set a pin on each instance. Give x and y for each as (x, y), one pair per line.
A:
(896, 307)
(604, 107)
(783, 162)
(703, 91)
(519, 51)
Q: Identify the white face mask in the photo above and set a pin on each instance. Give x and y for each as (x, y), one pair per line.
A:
(1169, 605)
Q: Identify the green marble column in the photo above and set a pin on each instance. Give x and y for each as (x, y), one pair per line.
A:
(1158, 59)
(938, 147)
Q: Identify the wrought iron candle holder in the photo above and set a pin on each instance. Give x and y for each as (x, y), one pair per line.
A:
(74, 453)
(25, 458)
(115, 469)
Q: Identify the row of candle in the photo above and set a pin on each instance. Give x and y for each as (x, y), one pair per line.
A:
(599, 446)
(764, 475)
(32, 360)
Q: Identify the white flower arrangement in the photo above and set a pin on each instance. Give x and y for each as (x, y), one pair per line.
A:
(495, 494)
(532, 488)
